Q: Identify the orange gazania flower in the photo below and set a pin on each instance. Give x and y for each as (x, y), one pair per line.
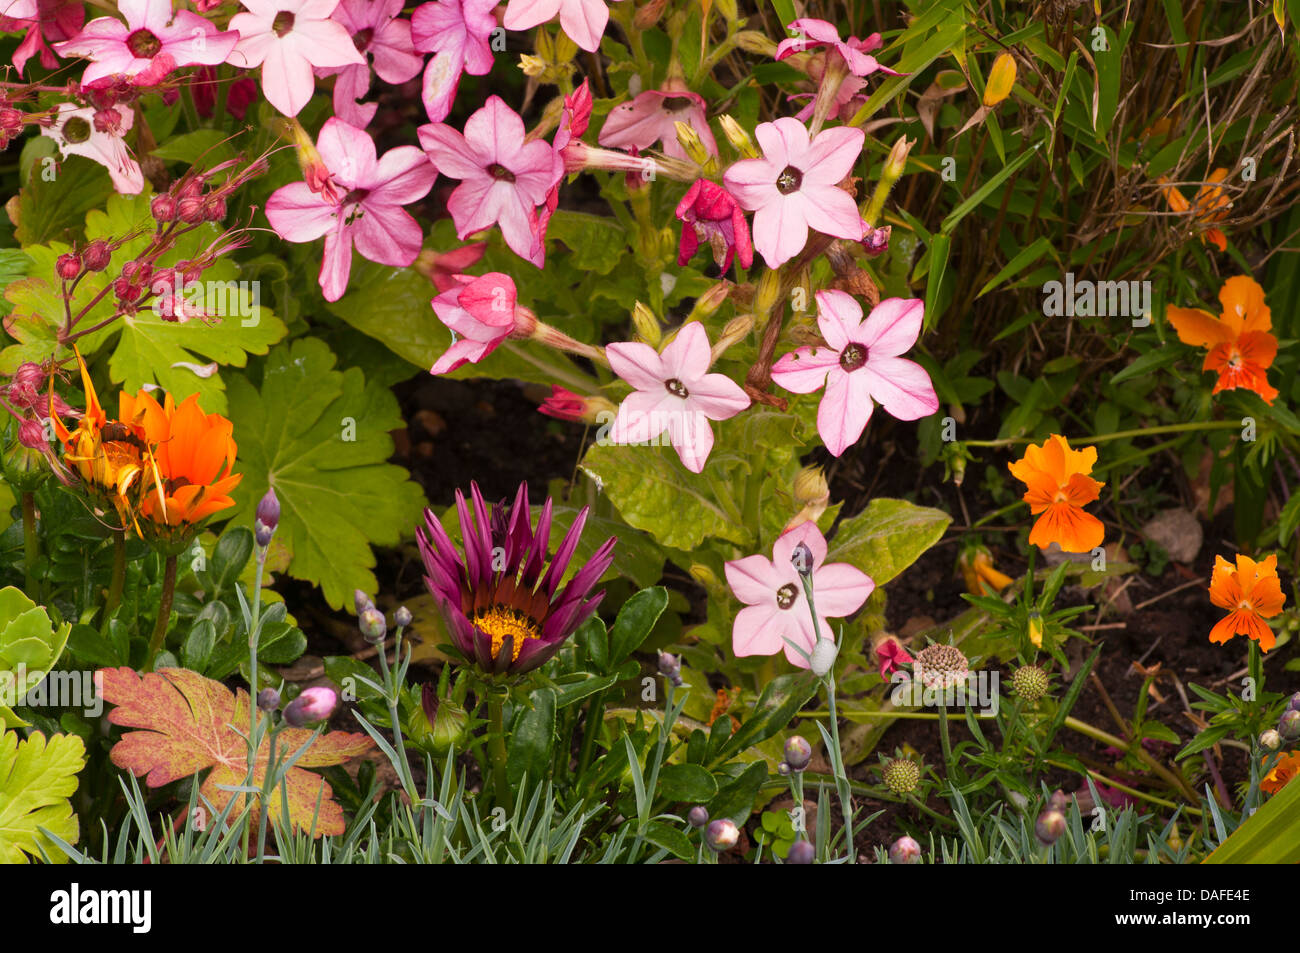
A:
(1211, 205)
(1241, 347)
(1287, 767)
(1059, 486)
(1253, 592)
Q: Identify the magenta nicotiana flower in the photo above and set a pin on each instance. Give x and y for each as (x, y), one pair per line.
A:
(381, 36)
(97, 135)
(674, 392)
(503, 177)
(502, 610)
(287, 38)
(153, 42)
(369, 211)
(459, 33)
(710, 215)
(573, 123)
(855, 53)
(583, 21)
(484, 311)
(776, 607)
(860, 363)
(54, 20)
(795, 187)
(652, 117)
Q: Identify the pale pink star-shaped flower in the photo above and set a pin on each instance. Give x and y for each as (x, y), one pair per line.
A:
(18, 9)
(652, 117)
(776, 607)
(794, 187)
(583, 21)
(149, 45)
(76, 131)
(381, 36)
(287, 38)
(674, 392)
(855, 53)
(459, 33)
(861, 364)
(369, 212)
(484, 311)
(503, 178)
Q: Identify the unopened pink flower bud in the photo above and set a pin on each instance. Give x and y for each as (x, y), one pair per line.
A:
(313, 705)
(68, 266)
(190, 210)
(96, 255)
(905, 850)
(31, 434)
(163, 208)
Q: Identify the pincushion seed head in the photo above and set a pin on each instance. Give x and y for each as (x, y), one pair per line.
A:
(942, 666)
(1030, 682)
(902, 775)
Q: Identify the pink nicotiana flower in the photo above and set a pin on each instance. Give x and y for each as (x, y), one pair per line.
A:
(54, 20)
(573, 123)
(97, 135)
(18, 9)
(709, 214)
(287, 38)
(583, 21)
(381, 36)
(459, 33)
(795, 186)
(484, 311)
(855, 53)
(652, 117)
(674, 392)
(503, 178)
(860, 364)
(776, 607)
(369, 212)
(153, 42)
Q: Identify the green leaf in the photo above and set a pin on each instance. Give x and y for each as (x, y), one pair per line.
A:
(203, 147)
(1023, 259)
(887, 537)
(529, 745)
(574, 688)
(784, 11)
(320, 437)
(670, 839)
(735, 799)
(50, 209)
(229, 557)
(1269, 836)
(13, 265)
(596, 243)
(594, 642)
(686, 782)
(993, 184)
(199, 645)
(634, 622)
(36, 779)
(776, 707)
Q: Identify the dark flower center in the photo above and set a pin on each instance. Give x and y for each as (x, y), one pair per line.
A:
(676, 388)
(676, 104)
(282, 23)
(76, 130)
(500, 622)
(500, 172)
(853, 357)
(786, 595)
(789, 180)
(363, 39)
(143, 44)
(356, 195)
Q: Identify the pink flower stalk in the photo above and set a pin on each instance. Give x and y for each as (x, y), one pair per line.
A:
(709, 214)
(674, 392)
(652, 116)
(287, 38)
(855, 53)
(381, 36)
(776, 608)
(52, 19)
(848, 99)
(503, 178)
(84, 131)
(370, 211)
(583, 21)
(458, 32)
(484, 311)
(794, 187)
(153, 42)
(860, 364)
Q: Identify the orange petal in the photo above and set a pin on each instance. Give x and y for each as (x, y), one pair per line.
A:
(1243, 305)
(1197, 327)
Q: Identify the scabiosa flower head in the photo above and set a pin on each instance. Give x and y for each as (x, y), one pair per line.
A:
(941, 666)
(902, 775)
(502, 611)
(1030, 682)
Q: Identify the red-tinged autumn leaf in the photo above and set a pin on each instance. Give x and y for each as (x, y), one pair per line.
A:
(186, 724)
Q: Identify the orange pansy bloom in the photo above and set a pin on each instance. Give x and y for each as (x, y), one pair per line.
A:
(1287, 767)
(1212, 205)
(1253, 592)
(1241, 347)
(1059, 486)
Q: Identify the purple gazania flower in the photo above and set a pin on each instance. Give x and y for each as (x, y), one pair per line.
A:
(501, 610)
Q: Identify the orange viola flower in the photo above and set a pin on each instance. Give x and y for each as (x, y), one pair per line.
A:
(981, 576)
(1212, 205)
(1059, 486)
(1241, 347)
(1287, 767)
(1253, 592)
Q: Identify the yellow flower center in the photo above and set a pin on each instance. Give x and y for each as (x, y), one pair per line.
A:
(500, 621)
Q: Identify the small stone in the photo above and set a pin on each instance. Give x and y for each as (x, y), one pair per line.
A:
(1177, 532)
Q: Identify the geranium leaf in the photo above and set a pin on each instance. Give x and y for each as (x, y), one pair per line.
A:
(185, 724)
(36, 779)
(320, 437)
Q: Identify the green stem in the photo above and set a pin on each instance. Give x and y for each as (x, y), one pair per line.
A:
(115, 585)
(392, 695)
(267, 786)
(164, 613)
(1120, 434)
(946, 743)
(837, 762)
(501, 794)
(1173, 780)
(595, 716)
(579, 385)
(31, 546)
